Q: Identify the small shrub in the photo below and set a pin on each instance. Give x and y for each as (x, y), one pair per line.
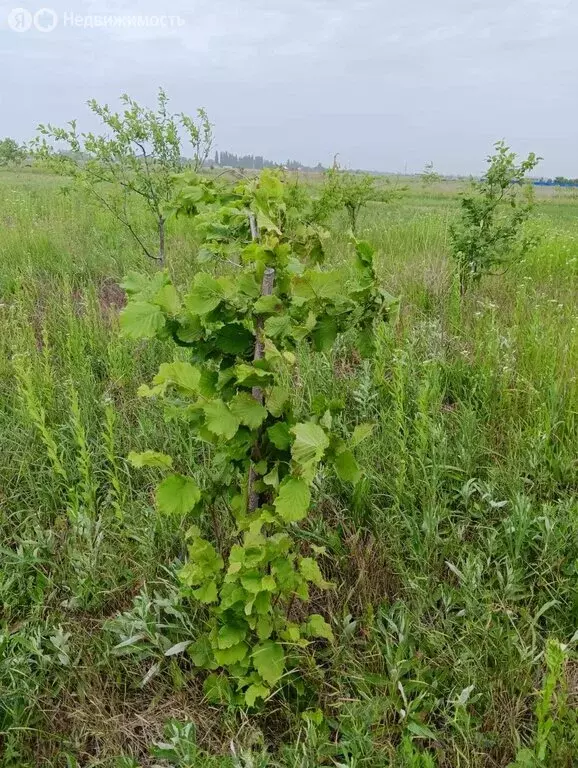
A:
(489, 230)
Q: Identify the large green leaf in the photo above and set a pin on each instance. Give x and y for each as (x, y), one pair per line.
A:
(168, 300)
(231, 633)
(235, 654)
(347, 467)
(325, 333)
(319, 285)
(279, 435)
(205, 295)
(292, 503)
(220, 420)
(276, 400)
(364, 252)
(309, 569)
(269, 661)
(264, 222)
(310, 443)
(177, 495)
(234, 339)
(250, 376)
(207, 592)
(141, 320)
(254, 692)
(144, 287)
(248, 410)
(248, 285)
(268, 305)
(136, 283)
(150, 459)
(316, 626)
(277, 326)
(180, 373)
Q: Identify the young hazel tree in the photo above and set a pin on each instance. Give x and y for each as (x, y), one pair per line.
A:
(352, 191)
(137, 156)
(489, 230)
(242, 331)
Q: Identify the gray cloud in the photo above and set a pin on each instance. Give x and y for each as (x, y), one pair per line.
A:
(387, 85)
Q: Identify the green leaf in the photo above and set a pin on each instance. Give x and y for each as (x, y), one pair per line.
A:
(168, 300)
(135, 283)
(314, 716)
(272, 477)
(220, 420)
(316, 626)
(302, 331)
(205, 296)
(364, 252)
(279, 435)
(361, 433)
(235, 654)
(269, 661)
(217, 689)
(150, 459)
(249, 376)
(248, 410)
(204, 563)
(254, 692)
(234, 339)
(319, 285)
(207, 593)
(309, 569)
(231, 634)
(264, 627)
(264, 222)
(325, 333)
(201, 652)
(190, 329)
(141, 320)
(208, 383)
(347, 467)
(268, 305)
(292, 503)
(277, 325)
(181, 374)
(177, 495)
(270, 186)
(366, 342)
(252, 582)
(276, 401)
(248, 285)
(310, 443)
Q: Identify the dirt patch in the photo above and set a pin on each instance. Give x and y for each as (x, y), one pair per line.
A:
(111, 296)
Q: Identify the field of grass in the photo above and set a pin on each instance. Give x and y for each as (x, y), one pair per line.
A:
(455, 611)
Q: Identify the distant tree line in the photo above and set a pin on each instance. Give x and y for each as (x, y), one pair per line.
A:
(558, 181)
(258, 162)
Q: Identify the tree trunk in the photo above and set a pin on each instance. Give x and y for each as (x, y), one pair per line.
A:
(162, 240)
(266, 290)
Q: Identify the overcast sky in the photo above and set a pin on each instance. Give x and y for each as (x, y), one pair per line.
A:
(388, 85)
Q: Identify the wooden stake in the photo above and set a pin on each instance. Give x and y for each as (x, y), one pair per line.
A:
(257, 392)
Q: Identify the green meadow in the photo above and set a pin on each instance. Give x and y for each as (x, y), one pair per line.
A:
(455, 560)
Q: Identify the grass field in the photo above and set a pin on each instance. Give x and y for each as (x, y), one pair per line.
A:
(456, 560)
